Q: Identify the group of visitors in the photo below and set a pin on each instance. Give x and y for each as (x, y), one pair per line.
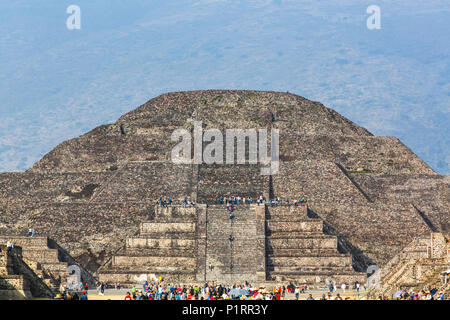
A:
(235, 200)
(231, 200)
(328, 296)
(74, 291)
(165, 203)
(168, 202)
(77, 286)
(158, 291)
(431, 294)
(356, 286)
(72, 295)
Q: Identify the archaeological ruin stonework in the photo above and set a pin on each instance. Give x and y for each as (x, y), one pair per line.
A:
(94, 196)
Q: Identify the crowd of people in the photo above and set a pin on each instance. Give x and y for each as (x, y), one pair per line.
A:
(236, 200)
(158, 291)
(72, 295)
(186, 202)
(432, 294)
(233, 200)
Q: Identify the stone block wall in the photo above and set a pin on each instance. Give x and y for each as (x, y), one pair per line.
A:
(147, 181)
(322, 183)
(48, 187)
(215, 181)
(167, 228)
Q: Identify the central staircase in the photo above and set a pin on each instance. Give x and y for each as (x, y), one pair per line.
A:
(258, 244)
(235, 247)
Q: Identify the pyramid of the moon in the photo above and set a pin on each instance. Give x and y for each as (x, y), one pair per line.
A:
(96, 195)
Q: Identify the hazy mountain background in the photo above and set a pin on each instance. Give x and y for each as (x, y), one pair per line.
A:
(56, 84)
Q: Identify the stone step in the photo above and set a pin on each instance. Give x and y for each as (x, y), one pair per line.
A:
(240, 226)
(295, 226)
(142, 241)
(168, 235)
(237, 207)
(153, 261)
(163, 227)
(289, 219)
(321, 277)
(58, 267)
(286, 211)
(301, 252)
(41, 255)
(23, 241)
(226, 256)
(314, 241)
(171, 211)
(158, 252)
(176, 219)
(291, 235)
(148, 270)
(226, 220)
(238, 242)
(233, 277)
(310, 261)
(299, 270)
(214, 235)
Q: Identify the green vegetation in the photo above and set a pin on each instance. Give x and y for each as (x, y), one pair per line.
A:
(218, 98)
(104, 126)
